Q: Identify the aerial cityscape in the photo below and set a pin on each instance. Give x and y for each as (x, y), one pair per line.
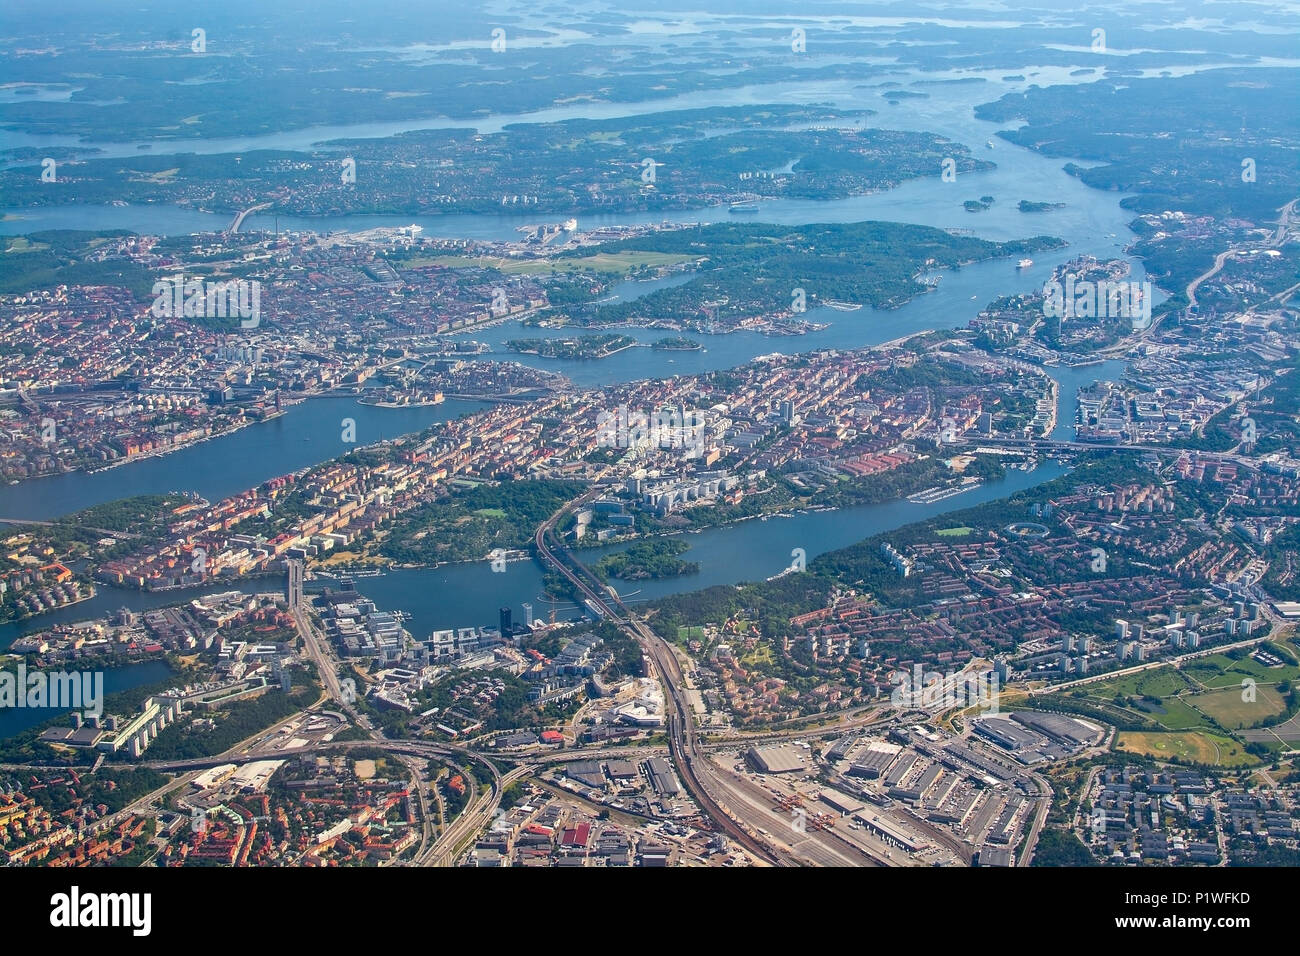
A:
(699, 435)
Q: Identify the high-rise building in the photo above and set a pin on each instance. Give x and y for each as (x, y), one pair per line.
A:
(507, 629)
(528, 615)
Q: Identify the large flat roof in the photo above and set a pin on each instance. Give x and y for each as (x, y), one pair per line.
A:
(777, 759)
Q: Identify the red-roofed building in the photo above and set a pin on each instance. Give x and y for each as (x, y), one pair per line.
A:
(577, 836)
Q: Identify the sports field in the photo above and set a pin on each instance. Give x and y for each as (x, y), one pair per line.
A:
(1231, 712)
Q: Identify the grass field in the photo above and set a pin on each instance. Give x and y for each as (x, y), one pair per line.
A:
(1231, 712)
(1197, 746)
(1160, 682)
(23, 244)
(687, 633)
(1219, 670)
(1172, 713)
(1205, 695)
(954, 532)
(343, 557)
(490, 512)
(616, 263)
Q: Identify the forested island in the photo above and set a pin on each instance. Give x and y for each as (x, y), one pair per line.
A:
(676, 343)
(549, 169)
(581, 347)
(1027, 205)
(648, 561)
(1191, 123)
(766, 270)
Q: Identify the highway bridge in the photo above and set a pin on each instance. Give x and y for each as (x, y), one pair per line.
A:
(684, 746)
(244, 214)
(1048, 445)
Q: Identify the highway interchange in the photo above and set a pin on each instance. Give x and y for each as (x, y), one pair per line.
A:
(731, 803)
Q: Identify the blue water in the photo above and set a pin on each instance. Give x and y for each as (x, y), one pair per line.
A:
(304, 435)
(466, 595)
(108, 600)
(16, 720)
(459, 595)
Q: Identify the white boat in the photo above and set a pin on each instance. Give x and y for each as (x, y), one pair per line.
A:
(989, 144)
(1025, 263)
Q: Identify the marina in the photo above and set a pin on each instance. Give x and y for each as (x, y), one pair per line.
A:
(932, 495)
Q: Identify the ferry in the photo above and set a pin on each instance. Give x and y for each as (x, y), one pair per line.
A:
(743, 206)
(1025, 263)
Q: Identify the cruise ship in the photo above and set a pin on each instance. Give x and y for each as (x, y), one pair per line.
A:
(1025, 263)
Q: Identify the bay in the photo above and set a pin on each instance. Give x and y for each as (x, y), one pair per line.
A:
(305, 435)
(468, 595)
(14, 720)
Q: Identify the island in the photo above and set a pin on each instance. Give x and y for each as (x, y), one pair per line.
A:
(648, 561)
(755, 273)
(579, 347)
(1027, 205)
(676, 343)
